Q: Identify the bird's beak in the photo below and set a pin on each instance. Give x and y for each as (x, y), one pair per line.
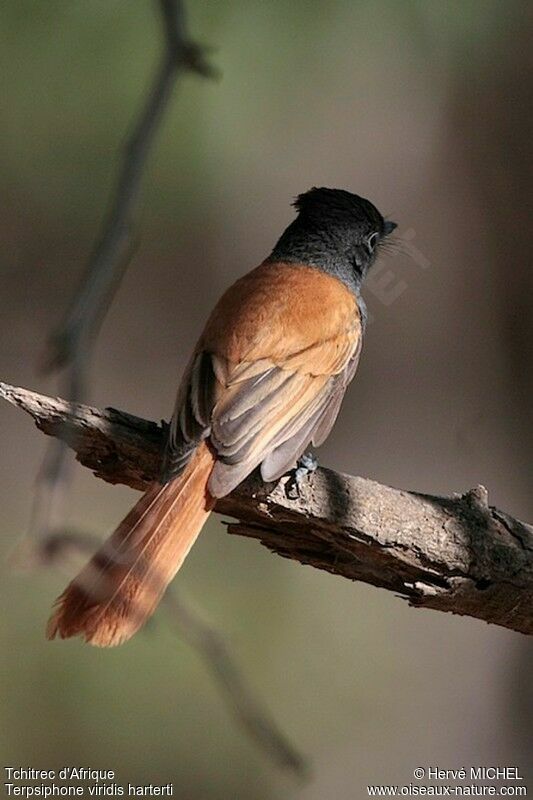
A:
(389, 226)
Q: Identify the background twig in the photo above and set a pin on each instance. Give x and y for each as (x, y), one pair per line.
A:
(70, 343)
(255, 720)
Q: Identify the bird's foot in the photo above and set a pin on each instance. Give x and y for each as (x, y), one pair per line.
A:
(305, 466)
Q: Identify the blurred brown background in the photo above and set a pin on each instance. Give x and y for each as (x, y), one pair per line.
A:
(424, 107)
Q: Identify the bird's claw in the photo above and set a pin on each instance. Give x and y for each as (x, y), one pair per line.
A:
(306, 465)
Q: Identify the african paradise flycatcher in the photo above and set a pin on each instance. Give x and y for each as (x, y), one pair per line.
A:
(266, 378)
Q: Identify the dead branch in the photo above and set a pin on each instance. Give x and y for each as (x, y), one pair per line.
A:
(455, 554)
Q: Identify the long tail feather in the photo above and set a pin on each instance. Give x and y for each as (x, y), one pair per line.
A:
(121, 586)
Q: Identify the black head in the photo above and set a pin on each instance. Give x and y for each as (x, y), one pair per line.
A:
(336, 231)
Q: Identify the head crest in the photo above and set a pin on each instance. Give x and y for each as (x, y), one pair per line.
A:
(336, 203)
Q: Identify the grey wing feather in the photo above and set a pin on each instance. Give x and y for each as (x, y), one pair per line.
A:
(283, 457)
(329, 415)
(277, 454)
(235, 429)
(316, 429)
(233, 422)
(190, 420)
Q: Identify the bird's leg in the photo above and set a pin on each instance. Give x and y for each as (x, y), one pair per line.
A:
(306, 464)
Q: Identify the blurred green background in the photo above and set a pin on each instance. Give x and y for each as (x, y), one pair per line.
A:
(424, 108)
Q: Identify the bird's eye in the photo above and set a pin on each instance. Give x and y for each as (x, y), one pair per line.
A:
(371, 242)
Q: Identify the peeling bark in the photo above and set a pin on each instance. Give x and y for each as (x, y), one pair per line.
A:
(455, 554)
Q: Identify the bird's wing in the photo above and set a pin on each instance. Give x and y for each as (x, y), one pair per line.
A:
(268, 374)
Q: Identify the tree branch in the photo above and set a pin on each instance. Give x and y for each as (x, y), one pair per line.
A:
(455, 554)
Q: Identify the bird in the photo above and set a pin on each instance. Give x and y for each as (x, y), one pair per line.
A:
(265, 380)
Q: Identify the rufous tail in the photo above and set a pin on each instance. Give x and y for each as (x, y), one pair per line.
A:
(122, 584)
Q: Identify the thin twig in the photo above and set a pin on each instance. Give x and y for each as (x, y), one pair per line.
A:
(108, 261)
(255, 720)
